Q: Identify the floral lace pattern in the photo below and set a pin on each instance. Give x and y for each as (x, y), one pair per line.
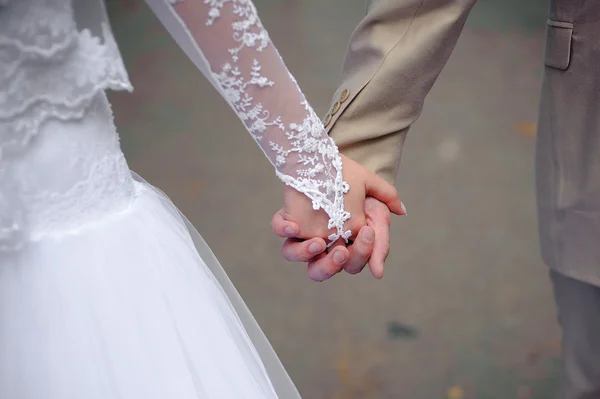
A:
(291, 135)
(39, 89)
(41, 27)
(53, 73)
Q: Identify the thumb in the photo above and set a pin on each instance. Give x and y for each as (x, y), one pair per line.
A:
(383, 191)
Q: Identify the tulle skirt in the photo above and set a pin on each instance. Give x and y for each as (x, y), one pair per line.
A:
(135, 307)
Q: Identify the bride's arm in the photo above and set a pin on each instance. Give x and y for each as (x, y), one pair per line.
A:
(227, 42)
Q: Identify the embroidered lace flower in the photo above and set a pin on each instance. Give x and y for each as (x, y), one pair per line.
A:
(254, 80)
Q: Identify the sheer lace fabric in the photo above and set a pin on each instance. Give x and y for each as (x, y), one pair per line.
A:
(249, 72)
(51, 71)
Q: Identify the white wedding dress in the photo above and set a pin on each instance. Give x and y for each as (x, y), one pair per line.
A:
(106, 291)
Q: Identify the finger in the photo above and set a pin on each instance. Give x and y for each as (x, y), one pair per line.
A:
(380, 189)
(282, 227)
(360, 251)
(294, 250)
(314, 270)
(325, 266)
(380, 222)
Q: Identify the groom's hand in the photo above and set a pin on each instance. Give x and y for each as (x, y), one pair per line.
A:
(371, 246)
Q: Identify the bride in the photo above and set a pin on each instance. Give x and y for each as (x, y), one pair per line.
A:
(106, 290)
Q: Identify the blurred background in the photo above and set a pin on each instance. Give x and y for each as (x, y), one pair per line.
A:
(465, 310)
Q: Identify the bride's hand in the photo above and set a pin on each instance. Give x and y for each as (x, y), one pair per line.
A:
(363, 183)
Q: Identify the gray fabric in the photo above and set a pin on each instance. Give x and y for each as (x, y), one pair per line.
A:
(568, 144)
(578, 305)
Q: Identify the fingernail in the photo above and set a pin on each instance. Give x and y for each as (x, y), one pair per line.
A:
(339, 257)
(289, 230)
(315, 247)
(368, 235)
(403, 208)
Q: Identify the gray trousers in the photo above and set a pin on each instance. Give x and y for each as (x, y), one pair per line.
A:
(578, 306)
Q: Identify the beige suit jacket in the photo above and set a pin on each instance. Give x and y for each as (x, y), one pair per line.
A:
(396, 54)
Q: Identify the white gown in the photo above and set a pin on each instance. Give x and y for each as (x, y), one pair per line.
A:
(106, 291)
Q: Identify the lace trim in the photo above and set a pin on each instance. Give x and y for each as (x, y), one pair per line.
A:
(37, 27)
(90, 65)
(44, 31)
(40, 91)
(317, 155)
(14, 53)
(56, 44)
(307, 151)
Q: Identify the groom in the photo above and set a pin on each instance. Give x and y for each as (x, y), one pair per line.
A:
(394, 57)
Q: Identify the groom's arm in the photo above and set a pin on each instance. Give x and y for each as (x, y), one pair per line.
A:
(395, 55)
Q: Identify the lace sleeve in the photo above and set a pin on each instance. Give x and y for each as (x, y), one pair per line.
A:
(227, 42)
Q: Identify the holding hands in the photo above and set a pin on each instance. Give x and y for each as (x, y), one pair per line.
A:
(370, 201)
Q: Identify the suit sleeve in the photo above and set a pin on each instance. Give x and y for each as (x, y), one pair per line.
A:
(394, 57)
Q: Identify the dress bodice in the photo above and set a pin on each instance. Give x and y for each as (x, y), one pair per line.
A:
(60, 161)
